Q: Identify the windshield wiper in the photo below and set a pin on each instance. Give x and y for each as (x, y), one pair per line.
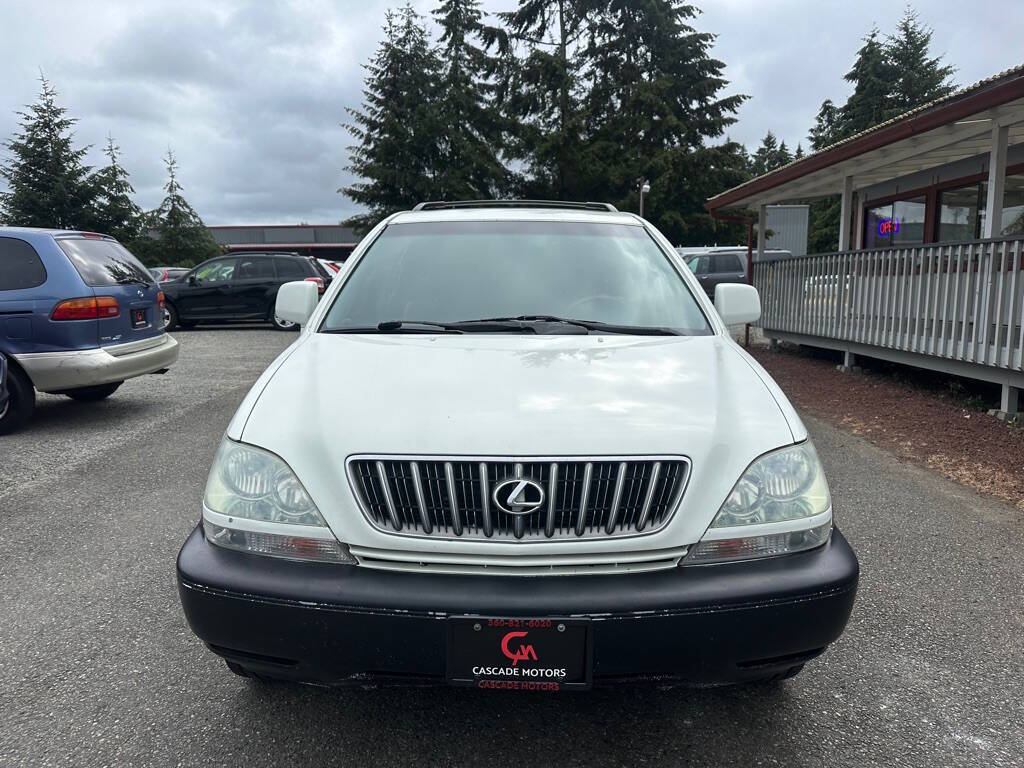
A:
(589, 325)
(396, 326)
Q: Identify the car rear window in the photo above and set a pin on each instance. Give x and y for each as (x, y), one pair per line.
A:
(20, 266)
(727, 262)
(290, 268)
(104, 262)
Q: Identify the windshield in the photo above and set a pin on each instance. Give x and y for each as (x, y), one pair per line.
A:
(104, 262)
(452, 272)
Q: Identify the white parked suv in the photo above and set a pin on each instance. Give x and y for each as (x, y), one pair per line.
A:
(515, 447)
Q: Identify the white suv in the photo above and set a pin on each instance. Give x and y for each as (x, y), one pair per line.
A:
(515, 447)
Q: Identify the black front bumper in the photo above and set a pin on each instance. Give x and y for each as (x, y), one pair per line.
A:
(336, 624)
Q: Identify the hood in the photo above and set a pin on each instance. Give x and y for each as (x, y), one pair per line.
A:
(332, 396)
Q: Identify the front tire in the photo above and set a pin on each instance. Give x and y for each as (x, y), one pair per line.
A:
(281, 324)
(21, 403)
(93, 394)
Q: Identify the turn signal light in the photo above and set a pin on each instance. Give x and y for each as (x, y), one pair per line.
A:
(160, 300)
(92, 308)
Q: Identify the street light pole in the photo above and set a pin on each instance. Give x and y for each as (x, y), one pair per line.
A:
(644, 186)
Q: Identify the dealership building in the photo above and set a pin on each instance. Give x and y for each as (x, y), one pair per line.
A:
(930, 265)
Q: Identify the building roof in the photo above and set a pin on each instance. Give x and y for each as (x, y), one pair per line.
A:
(284, 236)
(939, 132)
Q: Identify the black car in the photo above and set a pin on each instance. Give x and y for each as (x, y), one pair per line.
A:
(237, 287)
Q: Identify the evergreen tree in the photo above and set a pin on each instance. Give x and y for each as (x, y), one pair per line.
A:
(826, 126)
(470, 127)
(114, 212)
(653, 101)
(769, 155)
(48, 182)
(799, 151)
(176, 234)
(872, 77)
(917, 77)
(888, 80)
(541, 44)
(398, 153)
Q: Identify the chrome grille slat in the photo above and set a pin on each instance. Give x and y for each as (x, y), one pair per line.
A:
(451, 497)
(620, 485)
(388, 500)
(449, 476)
(420, 501)
(485, 500)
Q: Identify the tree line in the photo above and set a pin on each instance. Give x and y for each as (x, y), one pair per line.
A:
(582, 99)
(49, 185)
(557, 99)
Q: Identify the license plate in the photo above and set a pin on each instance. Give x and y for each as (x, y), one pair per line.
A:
(138, 318)
(519, 654)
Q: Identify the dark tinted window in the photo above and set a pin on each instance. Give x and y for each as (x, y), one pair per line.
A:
(469, 270)
(20, 266)
(289, 269)
(727, 262)
(104, 262)
(255, 268)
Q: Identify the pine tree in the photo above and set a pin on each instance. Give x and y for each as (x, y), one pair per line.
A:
(543, 97)
(826, 126)
(114, 212)
(770, 155)
(470, 126)
(917, 77)
(799, 151)
(872, 77)
(177, 235)
(48, 182)
(398, 154)
(651, 108)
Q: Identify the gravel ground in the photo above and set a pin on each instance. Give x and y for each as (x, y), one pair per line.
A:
(99, 667)
(909, 416)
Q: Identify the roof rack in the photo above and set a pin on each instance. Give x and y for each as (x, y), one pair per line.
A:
(443, 205)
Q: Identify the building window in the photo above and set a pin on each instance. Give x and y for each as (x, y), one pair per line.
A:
(1012, 223)
(959, 217)
(898, 223)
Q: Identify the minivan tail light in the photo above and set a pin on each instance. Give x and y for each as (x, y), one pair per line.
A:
(92, 308)
(319, 283)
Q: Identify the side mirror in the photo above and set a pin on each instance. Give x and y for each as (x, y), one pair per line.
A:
(737, 303)
(192, 280)
(296, 301)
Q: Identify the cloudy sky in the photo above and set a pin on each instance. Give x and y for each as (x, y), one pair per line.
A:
(251, 94)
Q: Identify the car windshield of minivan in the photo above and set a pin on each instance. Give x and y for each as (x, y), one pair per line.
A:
(516, 277)
(104, 262)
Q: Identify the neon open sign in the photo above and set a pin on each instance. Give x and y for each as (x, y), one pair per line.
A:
(888, 227)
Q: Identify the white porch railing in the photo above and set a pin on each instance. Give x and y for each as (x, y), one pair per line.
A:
(959, 302)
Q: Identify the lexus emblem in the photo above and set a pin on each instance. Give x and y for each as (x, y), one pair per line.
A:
(518, 496)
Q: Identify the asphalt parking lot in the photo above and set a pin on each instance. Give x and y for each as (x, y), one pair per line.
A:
(99, 668)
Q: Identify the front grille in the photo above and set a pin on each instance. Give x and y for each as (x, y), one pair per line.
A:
(454, 497)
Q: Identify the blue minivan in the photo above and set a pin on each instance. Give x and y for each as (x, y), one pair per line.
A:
(79, 314)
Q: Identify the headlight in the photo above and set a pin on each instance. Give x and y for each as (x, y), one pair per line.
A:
(255, 503)
(780, 505)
